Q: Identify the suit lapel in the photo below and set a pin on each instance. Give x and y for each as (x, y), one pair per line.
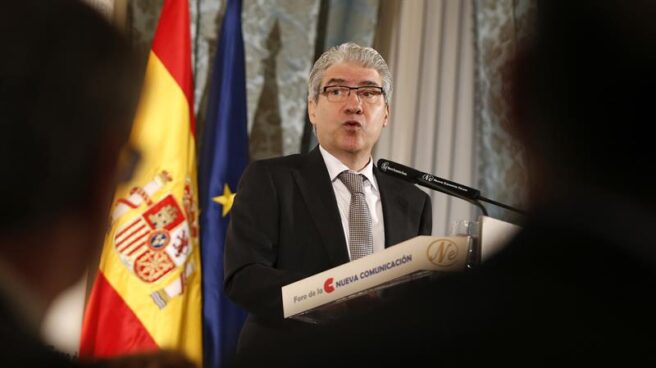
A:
(317, 192)
(395, 205)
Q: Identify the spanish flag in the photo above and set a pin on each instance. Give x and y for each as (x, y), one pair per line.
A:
(147, 291)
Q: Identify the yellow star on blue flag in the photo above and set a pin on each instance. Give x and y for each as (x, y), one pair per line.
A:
(227, 199)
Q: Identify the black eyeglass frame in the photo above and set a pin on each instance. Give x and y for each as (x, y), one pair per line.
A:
(382, 91)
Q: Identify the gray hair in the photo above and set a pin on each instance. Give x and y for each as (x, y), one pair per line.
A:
(349, 53)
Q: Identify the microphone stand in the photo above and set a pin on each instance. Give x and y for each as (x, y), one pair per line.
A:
(501, 205)
(475, 202)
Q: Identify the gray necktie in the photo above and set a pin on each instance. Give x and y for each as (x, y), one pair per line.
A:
(361, 240)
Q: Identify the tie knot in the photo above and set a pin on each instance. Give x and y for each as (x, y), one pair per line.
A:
(354, 182)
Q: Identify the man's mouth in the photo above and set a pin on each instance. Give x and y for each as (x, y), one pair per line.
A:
(352, 124)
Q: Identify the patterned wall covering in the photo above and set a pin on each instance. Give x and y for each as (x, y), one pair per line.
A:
(280, 37)
(499, 24)
(351, 20)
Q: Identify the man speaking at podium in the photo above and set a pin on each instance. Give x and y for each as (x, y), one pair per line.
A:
(299, 215)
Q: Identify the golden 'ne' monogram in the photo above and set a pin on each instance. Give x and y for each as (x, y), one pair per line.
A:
(442, 252)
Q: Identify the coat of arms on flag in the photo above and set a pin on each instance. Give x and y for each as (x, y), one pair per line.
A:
(156, 241)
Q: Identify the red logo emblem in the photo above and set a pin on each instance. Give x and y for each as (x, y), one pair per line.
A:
(328, 285)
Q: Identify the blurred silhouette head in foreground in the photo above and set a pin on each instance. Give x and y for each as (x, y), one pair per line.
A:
(69, 86)
(583, 96)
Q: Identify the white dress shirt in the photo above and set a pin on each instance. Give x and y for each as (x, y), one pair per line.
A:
(343, 197)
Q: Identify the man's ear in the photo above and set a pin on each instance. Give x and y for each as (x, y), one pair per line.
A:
(312, 108)
(387, 114)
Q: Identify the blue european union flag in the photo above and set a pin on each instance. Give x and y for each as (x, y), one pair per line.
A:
(223, 159)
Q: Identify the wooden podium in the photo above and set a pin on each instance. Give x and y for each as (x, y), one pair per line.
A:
(328, 295)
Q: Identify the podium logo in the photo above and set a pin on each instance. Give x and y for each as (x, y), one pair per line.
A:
(442, 252)
(328, 285)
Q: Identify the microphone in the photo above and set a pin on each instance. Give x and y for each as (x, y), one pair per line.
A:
(436, 183)
(427, 180)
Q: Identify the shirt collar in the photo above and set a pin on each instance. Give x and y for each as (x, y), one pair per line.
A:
(335, 167)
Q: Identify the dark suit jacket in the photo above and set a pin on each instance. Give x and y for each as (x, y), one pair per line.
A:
(285, 226)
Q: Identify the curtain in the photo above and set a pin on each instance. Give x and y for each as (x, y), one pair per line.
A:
(429, 46)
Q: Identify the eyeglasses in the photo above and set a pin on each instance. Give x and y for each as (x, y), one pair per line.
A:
(369, 94)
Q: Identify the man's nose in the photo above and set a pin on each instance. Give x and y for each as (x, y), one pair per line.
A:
(353, 103)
